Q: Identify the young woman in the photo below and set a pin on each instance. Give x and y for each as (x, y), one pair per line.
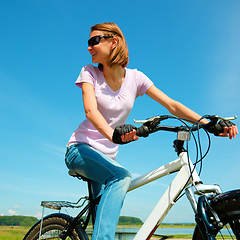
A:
(109, 92)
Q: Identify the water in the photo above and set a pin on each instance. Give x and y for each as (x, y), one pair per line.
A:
(159, 231)
(129, 233)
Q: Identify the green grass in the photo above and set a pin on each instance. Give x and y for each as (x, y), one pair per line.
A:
(13, 233)
(163, 225)
(182, 236)
(17, 233)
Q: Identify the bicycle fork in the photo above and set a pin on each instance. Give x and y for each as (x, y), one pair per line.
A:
(206, 192)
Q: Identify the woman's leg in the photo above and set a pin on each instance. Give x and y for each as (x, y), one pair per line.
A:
(99, 168)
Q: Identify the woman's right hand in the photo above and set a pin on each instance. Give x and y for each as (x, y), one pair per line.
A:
(131, 136)
(124, 134)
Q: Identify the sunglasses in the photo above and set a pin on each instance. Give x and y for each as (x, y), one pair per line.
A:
(96, 40)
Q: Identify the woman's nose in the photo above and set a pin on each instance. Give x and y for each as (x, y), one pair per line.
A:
(89, 48)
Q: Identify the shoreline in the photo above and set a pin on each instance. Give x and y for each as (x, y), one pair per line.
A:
(160, 226)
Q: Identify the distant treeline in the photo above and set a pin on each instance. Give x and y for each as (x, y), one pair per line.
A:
(123, 220)
(29, 221)
(129, 221)
(17, 221)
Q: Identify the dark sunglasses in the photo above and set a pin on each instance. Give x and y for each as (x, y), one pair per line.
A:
(96, 40)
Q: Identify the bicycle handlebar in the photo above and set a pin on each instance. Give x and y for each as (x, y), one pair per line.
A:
(152, 125)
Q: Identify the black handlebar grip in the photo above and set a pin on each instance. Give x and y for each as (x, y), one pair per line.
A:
(143, 131)
(217, 129)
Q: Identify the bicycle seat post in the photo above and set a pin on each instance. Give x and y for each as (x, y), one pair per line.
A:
(90, 192)
(92, 207)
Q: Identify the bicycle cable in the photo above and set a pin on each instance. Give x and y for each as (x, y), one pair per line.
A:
(199, 145)
(191, 171)
(198, 152)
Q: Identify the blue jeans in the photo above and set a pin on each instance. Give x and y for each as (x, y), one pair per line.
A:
(109, 178)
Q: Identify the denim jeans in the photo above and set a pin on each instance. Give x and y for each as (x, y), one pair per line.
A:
(109, 178)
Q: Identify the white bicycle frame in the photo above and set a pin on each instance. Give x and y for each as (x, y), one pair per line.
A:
(186, 175)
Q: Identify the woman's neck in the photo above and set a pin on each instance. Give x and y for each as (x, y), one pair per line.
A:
(114, 76)
(114, 73)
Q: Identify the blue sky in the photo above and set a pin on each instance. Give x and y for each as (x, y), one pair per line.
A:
(189, 49)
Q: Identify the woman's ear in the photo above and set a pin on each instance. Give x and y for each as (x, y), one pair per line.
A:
(114, 42)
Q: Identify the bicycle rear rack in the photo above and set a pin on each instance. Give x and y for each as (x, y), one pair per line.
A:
(57, 205)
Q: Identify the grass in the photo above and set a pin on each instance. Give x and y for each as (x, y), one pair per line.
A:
(13, 233)
(181, 237)
(17, 233)
(162, 225)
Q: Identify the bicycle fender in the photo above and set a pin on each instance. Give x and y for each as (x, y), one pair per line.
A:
(225, 196)
(62, 215)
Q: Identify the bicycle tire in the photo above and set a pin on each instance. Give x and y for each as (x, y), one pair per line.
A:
(227, 206)
(52, 226)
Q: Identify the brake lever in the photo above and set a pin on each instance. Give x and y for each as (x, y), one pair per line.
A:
(149, 125)
(152, 119)
(228, 118)
(214, 119)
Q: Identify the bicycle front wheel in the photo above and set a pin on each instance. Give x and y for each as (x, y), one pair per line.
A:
(52, 226)
(227, 206)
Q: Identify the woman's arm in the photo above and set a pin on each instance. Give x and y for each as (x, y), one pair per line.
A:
(92, 113)
(174, 107)
(181, 111)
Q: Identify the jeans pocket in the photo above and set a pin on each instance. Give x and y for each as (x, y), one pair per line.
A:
(70, 156)
(72, 153)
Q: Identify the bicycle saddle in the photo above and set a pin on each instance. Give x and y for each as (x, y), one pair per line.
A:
(75, 174)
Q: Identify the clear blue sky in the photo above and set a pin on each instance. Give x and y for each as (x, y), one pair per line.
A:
(189, 49)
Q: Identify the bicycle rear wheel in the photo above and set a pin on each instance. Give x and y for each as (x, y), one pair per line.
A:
(227, 206)
(52, 227)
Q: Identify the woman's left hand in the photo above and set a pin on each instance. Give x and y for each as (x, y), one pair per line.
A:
(229, 129)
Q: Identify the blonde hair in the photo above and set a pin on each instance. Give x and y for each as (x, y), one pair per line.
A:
(119, 54)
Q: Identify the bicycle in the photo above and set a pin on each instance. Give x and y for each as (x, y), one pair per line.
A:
(213, 209)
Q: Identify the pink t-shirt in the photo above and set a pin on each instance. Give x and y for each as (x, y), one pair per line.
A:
(115, 106)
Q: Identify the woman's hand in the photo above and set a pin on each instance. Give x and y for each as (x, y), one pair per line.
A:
(124, 134)
(229, 129)
(131, 136)
(223, 129)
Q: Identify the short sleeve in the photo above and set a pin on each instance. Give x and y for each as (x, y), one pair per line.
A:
(143, 83)
(87, 74)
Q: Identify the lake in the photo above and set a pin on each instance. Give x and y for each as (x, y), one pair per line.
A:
(129, 233)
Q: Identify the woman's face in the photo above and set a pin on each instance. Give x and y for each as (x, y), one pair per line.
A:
(101, 51)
